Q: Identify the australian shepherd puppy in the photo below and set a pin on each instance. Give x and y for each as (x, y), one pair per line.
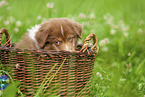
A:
(55, 34)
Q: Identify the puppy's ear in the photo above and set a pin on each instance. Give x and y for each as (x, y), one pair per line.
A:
(41, 38)
(78, 29)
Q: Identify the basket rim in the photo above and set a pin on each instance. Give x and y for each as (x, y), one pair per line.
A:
(49, 51)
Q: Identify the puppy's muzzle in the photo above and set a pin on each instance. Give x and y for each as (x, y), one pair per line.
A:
(68, 47)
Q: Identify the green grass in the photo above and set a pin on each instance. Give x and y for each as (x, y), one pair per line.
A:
(119, 66)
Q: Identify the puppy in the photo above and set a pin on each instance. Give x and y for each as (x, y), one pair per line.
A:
(55, 34)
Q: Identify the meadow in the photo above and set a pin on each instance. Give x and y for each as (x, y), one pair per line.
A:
(119, 69)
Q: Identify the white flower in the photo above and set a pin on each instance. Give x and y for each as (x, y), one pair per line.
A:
(16, 30)
(123, 26)
(12, 19)
(50, 5)
(129, 54)
(3, 3)
(127, 65)
(18, 23)
(85, 24)
(104, 49)
(125, 34)
(97, 73)
(108, 18)
(140, 86)
(140, 31)
(112, 31)
(92, 15)
(104, 41)
(82, 15)
(17, 66)
(39, 17)
(100, 74)
(6, 22)
(110, 21)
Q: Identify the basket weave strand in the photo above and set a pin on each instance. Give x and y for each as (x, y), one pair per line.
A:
(8, 43)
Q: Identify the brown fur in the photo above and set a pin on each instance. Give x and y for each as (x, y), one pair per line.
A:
(49, 35)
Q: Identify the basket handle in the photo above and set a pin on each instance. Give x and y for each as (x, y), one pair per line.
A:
(8, 43)
(86, 42)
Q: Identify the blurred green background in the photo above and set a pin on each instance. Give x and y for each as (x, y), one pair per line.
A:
(119, 69)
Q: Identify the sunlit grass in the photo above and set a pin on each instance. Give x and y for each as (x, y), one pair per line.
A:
(119, 26)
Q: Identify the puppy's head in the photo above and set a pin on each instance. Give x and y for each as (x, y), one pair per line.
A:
(59, 34)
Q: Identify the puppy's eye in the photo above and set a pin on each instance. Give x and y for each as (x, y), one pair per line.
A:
(70, 39)
(47, 42)
(57, 42)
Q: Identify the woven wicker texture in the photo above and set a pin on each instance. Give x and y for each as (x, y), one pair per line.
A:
(32, 66)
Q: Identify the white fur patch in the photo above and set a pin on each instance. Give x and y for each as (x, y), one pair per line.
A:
(62, 31)
(67, 48)
(32, 33)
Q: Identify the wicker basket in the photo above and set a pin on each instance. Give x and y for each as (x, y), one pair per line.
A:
(32, 66)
